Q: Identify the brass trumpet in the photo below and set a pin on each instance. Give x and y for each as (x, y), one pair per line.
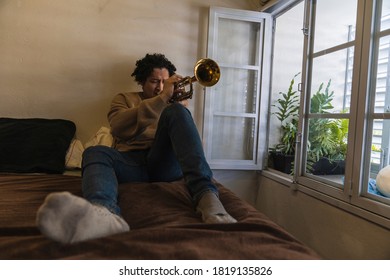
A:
(206, 72)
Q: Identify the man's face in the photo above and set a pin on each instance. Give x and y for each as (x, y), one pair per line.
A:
(154, 84)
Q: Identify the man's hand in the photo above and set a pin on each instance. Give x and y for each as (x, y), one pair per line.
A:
(169, 87)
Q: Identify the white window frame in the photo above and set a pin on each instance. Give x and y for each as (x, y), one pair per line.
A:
(262, 91)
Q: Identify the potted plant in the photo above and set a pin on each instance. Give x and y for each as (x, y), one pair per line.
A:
(327, 146)
(287, 105)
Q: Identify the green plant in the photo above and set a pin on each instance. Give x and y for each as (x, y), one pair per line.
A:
(287, 106)
(327, 137)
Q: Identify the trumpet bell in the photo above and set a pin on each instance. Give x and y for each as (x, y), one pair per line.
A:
(207, 72)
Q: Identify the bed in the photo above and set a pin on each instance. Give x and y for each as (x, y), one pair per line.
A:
(163, 223)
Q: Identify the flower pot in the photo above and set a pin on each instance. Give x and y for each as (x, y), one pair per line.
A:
(326, 167)
(282, 162)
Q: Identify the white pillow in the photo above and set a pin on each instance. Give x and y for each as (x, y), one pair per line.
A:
(74, 155)
(102, 137)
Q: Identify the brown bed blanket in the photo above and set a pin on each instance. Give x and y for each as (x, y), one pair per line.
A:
(162, 220)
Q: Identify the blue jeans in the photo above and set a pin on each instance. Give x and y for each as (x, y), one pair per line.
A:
(176, 152)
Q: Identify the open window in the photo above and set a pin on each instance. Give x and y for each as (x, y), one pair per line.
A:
(236, 108)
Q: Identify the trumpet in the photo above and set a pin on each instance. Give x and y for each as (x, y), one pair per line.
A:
(206, 72)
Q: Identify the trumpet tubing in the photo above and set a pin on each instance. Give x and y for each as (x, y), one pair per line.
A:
(206, 73)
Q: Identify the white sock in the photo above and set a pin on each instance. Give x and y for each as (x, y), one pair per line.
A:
(68, 218)
(212, 210)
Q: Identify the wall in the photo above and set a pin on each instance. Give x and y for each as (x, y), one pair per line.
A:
(332, 232)
(244, 183)
(67, 59)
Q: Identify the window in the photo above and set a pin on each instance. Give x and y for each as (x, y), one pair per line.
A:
(339, 127)
(239, 41)
(328, 92)
(377, 97)
(286, 76)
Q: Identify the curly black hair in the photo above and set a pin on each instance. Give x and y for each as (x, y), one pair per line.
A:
(144, 67)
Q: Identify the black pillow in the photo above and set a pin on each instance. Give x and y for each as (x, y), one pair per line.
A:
(34, 145)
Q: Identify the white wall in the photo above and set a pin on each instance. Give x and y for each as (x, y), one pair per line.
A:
(67, 59)
(244, 183)
(335, 234)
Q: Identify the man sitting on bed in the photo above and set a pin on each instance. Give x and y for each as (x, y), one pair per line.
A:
(154, 140)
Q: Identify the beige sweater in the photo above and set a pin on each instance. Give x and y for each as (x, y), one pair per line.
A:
(133, 120)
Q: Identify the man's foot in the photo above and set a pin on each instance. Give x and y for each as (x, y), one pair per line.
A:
(212, 210)
(68, 218)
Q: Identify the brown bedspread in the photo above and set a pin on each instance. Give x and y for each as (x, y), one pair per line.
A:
(162, 220)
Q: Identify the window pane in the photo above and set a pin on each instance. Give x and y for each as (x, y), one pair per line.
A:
(382, 91)
(332, 75)
(236, 91)
(379, 147)
(241, 50)
(332, 26)
(379, 156)
(327, 147)
(287, 64)
(385, 15)
(233, 138)
(378, 136)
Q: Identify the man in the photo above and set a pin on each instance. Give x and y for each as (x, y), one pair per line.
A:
(154, 140)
